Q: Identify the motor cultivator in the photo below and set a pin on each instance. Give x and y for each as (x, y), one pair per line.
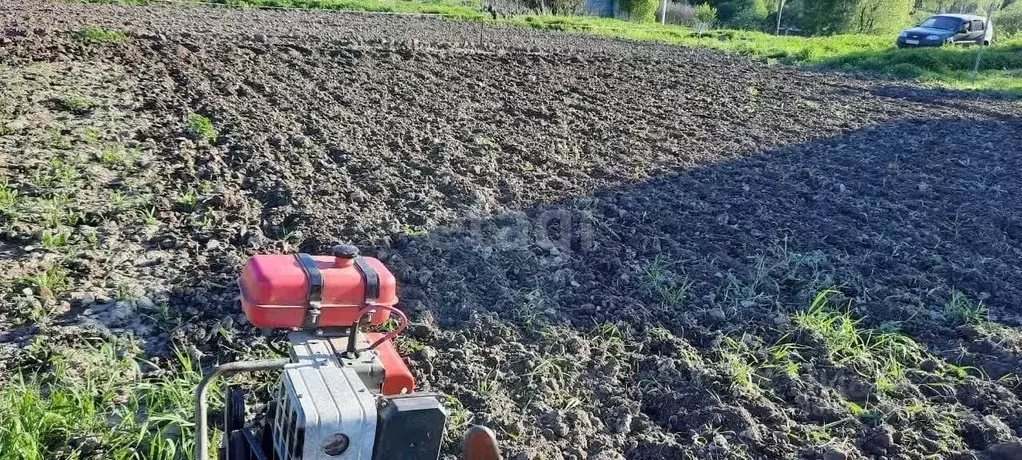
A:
(344, 392)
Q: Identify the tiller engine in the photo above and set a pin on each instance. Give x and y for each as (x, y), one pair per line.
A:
(344, 392)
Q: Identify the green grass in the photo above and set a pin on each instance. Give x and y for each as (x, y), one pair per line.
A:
(117, 156)
(150, 218)
(787, 49)
(189, 198)
(77, 103)
(1001, 66)
(750, 368)
(959, 310)
(99, 35)
(53, 240)
(63, 174)
(94, 402)
(60, 210)
(8, 199)
(659, 281)
(875, 354)
(200, 127)
(53, 279)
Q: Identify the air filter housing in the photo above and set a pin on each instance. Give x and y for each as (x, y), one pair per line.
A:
(324, 412)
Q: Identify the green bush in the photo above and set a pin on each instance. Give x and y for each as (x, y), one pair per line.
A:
(749, 20)
(706, 14)
(642, 10)
(823, 17)
(1008, 23)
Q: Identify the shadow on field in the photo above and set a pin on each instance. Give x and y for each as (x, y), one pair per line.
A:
(982, 103)
(899, 218)
(899, 210)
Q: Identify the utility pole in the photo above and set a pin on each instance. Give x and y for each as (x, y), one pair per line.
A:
(780, 9)
(663, 11)
(982, 43)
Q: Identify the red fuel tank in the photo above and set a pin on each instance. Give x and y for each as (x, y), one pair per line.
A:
(277, 290)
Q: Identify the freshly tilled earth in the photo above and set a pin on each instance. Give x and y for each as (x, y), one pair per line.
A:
(609, 249)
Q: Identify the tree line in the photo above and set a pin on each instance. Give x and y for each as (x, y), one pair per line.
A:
(830, 17)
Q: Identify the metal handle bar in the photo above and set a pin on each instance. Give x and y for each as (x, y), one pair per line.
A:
(226, 370)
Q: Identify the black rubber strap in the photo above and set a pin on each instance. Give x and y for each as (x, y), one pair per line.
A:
(314, 276)
(315, 294)
(371, 278)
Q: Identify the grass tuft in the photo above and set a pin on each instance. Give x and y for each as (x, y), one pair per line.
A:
(53, 240)
(8, 199)
(189, 198)
(59, 210)
(77, 103)
(959, 310)
(878, 355)
(117, 157)
(99, 35)
(49, 282)
(751, 368)
(201, 128)
(658, 280)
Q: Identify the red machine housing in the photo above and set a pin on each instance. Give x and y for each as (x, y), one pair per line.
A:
(275, 291)
(397, 379)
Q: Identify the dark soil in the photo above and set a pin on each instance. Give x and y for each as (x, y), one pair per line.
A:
(605, 245)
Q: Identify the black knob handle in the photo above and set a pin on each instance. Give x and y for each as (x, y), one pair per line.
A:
(345, 251)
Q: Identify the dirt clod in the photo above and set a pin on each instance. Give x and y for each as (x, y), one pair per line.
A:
(1006, 451)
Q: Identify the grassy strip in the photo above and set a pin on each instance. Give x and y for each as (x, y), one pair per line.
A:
(949, 67)
(96, 403)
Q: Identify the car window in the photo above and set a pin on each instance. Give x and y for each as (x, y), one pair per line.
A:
(977, 25)
(941, 22)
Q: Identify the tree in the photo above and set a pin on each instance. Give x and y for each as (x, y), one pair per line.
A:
(825, 17)
(829, 17)
(730, 9)
(881, 16)
(641, 10)
(957, 6)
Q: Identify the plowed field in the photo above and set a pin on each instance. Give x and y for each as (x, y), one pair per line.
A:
(610, 249)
